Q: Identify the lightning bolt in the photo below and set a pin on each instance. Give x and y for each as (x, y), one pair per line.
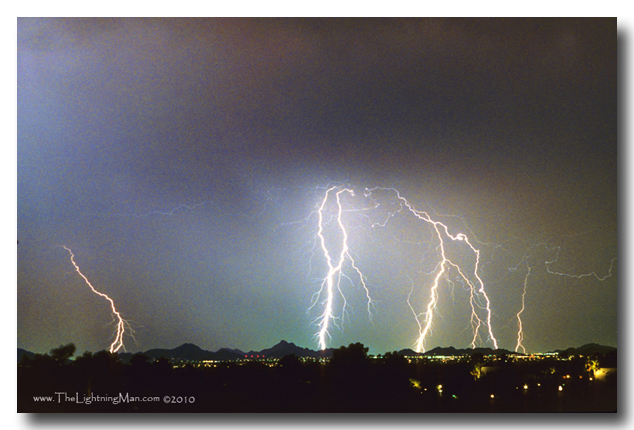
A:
(168, 213)
(117, 344)
(476, 288)
(584, 275)
(547, 263)
(335, 265)
(520, 331)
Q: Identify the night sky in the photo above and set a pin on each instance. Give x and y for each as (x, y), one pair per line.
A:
(183, 161)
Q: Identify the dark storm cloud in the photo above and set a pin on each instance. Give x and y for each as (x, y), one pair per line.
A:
(309, 87)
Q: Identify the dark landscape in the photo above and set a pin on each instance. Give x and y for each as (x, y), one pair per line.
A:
(286, 378)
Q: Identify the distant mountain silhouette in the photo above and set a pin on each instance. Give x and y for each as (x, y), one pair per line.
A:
(191, 352)
(22, 352)
(125, 357)
(224, 354)
(587, 349)
(287, 348)
(235, 350)
(408, 352)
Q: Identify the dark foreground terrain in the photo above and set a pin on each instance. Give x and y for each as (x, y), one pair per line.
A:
(350, 381)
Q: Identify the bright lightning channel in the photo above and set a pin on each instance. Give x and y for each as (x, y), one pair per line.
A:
(117, 344)
(520, 331)
(335, 265)
(442, 269)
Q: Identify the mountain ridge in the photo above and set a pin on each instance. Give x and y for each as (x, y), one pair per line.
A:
(192, 352)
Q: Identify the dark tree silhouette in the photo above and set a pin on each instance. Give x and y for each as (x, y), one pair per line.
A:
(348, 377)
(63, 353)
(476, 362)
